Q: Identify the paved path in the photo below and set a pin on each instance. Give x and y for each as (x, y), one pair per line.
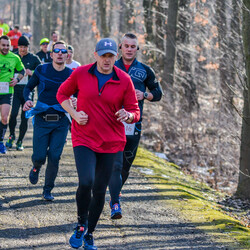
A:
(28, 222)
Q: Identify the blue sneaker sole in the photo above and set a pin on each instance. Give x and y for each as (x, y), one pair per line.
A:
(48, 199)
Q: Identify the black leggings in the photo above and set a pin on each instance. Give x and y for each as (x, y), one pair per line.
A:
(18, 101)
(94, 171)
(122, 164)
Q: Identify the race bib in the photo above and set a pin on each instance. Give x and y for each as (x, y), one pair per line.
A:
(4, 87)
(129, 128)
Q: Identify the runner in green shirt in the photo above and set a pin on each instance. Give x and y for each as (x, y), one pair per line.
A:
(9, 62)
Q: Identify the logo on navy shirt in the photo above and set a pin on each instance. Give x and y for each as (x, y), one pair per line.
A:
(139, 74)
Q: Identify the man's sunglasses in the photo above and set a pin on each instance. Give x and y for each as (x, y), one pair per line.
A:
(44, 43)
(64, 51)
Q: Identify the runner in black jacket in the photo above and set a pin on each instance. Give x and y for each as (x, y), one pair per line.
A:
(147, 87)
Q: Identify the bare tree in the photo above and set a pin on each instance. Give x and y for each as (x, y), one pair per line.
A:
(69, 21)
(243, 189)
(171, 41)
(103, 16)
(28, 11)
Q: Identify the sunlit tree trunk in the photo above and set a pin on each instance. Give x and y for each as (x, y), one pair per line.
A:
(243, 189)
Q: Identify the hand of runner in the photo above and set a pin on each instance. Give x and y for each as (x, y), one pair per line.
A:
(13, 82)
(139, 95)
(28, 72)
(122, 115)
(80, 117)
(28, 105)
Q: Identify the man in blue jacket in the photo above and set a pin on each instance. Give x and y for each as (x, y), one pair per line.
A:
(50, 122)
(147, 88)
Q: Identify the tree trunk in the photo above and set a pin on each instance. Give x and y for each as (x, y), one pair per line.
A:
(47, 19)
(224, 69)
(69, 28)
(36, 23)
(171, 42)
(243, 189)
(183, 58)
(63, 20)
(104, 27)
(148, 19)
(28, 8)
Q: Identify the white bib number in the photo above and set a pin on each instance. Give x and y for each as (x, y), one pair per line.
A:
(4, 87)
(129, 128)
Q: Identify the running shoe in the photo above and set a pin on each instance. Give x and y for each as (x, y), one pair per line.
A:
(34, 175)
(3, 149)
(47, 196)
(76, 239)
(116, 212)
(10, 141)
(110, 202)
(89, 242)
(19, 146)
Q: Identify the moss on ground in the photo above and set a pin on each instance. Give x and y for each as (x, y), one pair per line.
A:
(194, 200)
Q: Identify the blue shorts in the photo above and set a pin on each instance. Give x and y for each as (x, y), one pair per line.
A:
(6, 99)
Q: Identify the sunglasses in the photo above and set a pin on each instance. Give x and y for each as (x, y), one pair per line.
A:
(64, 51)
(44, 43)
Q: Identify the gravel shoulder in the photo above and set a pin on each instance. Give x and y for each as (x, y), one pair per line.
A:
(28, 222)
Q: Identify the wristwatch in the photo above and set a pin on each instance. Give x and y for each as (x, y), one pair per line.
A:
(145, 95)
(18, 80)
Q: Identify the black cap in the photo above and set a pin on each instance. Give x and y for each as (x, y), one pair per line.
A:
(23, 41)
(70, 47)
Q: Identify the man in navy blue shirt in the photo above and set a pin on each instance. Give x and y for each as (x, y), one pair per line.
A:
(147, 88)
(50, 122)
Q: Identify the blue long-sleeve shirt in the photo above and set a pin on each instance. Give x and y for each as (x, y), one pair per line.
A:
(47, 80)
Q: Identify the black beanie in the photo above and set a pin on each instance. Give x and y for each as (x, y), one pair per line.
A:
(23, 40)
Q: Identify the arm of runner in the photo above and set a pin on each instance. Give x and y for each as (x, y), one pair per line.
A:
(28, 105)
(14, 81)
(124, 116)
(79, 116)
(140, 95)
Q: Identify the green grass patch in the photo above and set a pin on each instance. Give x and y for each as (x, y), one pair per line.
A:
(194, 200)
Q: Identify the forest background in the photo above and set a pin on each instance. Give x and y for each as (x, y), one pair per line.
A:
(196, 49)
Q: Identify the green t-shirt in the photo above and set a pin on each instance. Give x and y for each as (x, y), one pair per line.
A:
(5, 28)
(8, 64)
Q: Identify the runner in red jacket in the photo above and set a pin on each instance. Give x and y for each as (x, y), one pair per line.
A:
(106, 98)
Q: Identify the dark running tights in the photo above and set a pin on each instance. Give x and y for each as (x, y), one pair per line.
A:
(94, 171)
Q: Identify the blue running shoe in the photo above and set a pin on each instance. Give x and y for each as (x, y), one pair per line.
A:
(89, 242)
(10, 141)
(47, 196)
(34, 175)
(116, 212)
(3, 149)
(77, 238)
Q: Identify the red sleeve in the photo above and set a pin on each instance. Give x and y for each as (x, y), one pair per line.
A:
(130, 101)
(67, 88)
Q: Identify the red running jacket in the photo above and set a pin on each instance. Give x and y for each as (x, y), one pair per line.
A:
(103, 133)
